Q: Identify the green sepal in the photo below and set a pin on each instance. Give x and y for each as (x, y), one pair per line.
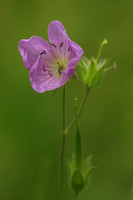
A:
(87, 163)
(91, 71)
(71, 165)
(81, 175)
(98, 74)
(87, 169)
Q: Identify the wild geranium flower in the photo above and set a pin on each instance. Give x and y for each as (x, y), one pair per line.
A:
(50, 65)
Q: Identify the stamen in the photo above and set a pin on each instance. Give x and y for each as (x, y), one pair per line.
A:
(69, 48)
(44, 69)
(57, 63)
(50, 73)
(61, 44)
(43, 52)
(59, 70)
(47, 63)
(115, 66)
(53, 45)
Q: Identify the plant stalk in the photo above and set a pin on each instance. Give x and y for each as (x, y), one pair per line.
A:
(63, 144)
(79, 111)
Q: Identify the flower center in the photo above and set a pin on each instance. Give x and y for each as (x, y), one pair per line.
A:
(59, 66)
(60, 61)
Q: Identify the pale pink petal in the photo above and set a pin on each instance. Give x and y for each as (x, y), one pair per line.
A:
(70, 70)
(30, 50)
(42, 80)
(58, 37)
(76, 49)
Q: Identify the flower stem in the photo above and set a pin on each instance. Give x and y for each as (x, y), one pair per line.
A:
(79, 111)
(78, 140)
(76, 196)
(63, 145)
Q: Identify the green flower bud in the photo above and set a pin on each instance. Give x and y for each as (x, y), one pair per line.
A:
(92, 70)
(77, 181)
(79, 178)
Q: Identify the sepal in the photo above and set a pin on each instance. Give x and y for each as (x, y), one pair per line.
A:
(91, 71)
(79, 179)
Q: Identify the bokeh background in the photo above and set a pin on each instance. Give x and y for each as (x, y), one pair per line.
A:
(30, 123)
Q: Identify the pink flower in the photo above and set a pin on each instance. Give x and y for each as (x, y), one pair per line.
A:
(50, 65)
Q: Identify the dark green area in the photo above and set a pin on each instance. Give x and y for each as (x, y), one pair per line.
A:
(30, 123)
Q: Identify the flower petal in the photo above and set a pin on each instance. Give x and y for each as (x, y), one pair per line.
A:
(58, 37)
(66, 75)
(75, 56)
(76, 49)
(56, 32)
(70, 70)
(30, 50)
(42, 80)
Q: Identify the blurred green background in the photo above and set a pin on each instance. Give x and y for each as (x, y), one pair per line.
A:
(30, 123)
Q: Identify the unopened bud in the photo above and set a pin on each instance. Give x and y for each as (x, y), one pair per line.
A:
(77, 181)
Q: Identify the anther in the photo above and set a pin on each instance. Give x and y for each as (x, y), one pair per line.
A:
(50, 73)
(53, 45)
(44, 69)
(59, 70)
(69, 48)
(57, 62)
(61, 44)
(43, 52)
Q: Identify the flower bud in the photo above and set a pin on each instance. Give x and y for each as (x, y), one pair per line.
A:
(92, 70)
(77, 181)
(79, 178)
(79, 169)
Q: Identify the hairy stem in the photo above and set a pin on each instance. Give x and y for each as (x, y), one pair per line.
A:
(63, 145)
(76, 196)
(78, 149)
